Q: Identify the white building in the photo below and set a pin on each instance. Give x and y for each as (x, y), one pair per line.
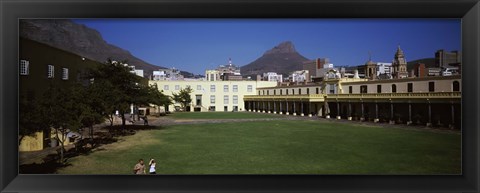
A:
(299, 76)
(138, 72)
(272, 76)
(167, 74)
(213, 95)
(384, 68)
(324, 70)
(212, 75)
(229, 72)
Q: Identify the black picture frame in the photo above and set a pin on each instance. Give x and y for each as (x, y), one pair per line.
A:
(11, 11)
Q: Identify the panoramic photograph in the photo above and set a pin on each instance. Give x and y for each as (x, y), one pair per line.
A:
(240, 96)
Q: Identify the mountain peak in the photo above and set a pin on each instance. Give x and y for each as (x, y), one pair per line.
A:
(284, 47)
(281, 59)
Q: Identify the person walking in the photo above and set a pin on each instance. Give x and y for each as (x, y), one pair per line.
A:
(145, 120)
(139, 167)
(152, 166)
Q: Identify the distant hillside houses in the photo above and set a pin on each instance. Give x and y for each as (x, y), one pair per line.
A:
(320, 69)
(167, 74)
(138, 72)
(299, 76)
(224, 73)
(446, 64)
(273, 77)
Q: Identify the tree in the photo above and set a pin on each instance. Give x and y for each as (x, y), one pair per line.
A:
(70, 109)
(118, 87)
(183, 97)
(30, 116)
(157, 97)
(60, 112)
(89, 105)
(103, 98)
(65, 109)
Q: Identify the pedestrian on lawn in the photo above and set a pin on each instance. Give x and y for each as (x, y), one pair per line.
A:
(139, 167)
(145, 120)
(152, 166)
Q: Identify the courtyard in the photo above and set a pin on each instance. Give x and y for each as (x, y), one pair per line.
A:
(255, 143)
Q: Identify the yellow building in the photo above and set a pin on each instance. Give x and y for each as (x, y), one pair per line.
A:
(429, 100)
(212, 95)
(32, 143)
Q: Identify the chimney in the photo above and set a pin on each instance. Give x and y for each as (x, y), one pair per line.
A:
(355, 74)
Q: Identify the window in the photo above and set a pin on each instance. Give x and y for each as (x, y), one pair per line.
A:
(394, 88)
(235, 99)
(235, 88)
(293, 91)
(177, 87)
(249, 88)
(64, 73)
(24, 67)
(258, 92)
(299, 91)
(431, 86)
(274, 92)
(286, 91)
(379, 88)
(317, 91)
(198, 98)
(363, 89)
(212, 88)
(199, 87)
(212, 99)
(225, 99)
(410, 87)
(165, 87)
(268, 92)
(350, 89)
(308, 91)
(456, 86)
(281, 92)
(332, 88)
(51, 71)
(225, 88)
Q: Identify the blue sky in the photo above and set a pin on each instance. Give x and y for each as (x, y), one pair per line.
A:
(195, 45)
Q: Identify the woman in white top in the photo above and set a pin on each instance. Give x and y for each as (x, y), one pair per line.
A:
(152, 166)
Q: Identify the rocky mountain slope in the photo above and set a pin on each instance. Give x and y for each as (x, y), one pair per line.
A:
(80, 39)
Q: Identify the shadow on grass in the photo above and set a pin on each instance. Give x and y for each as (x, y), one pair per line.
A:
(51, 163)
(118, 130)
(50, 167)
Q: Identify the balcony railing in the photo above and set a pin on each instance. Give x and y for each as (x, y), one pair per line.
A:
(399, 95)
(322, 97)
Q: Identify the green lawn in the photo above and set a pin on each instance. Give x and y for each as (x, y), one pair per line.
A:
(221, 115)
(278, 147)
